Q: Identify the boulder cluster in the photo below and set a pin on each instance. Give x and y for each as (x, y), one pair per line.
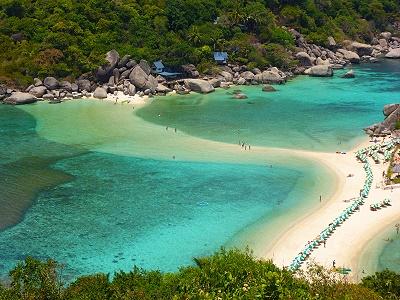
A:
(127, 77)
(392, 117)
(320, 61)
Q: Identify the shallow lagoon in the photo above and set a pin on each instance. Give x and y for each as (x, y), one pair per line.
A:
(96, 188)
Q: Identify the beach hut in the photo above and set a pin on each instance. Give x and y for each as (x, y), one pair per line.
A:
(221, 58)
(160, 69)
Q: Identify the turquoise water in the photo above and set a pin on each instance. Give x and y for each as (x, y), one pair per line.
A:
(105, 212)
(91, 185)
(308, 113)
(390, 255)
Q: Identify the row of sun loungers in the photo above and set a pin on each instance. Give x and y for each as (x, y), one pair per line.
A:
(372, 151)
(327, 232)
(384, 203)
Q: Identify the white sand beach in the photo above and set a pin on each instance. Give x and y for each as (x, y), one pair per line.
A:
(349, 239)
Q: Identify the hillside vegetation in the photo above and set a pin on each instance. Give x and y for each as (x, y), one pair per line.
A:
(225, 275)
(65, 38)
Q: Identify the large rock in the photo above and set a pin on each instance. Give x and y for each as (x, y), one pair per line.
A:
(304, 59)
(268, 88)
(271, 77)
(51, 83)
(38, 91)
(145, 66)
(84, 85)
(389, 108)
(131, 89)
(65, 85)
(319, 71)
(320, 61)
(350, 56)
(124, 60)
(331, 43)
(105, 71)
(199, 85)
(100, 93)
(361, 49)
(349, 74)
(18, 98)
(151, 83)
(163, 89)
(190, 71)
(386, 35)
(37, 82)
(383, 43)
(138, 77)
(393, 53)
(215, 82)
(228, 76)
(249, 76)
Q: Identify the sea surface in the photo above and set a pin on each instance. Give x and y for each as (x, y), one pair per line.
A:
(102, 187)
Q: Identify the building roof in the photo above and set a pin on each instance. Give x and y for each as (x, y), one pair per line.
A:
(220, 56)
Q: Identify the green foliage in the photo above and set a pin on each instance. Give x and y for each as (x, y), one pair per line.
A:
(386, 283)
(33, 279)
(227, 274)
(68, 38)
(278, 56)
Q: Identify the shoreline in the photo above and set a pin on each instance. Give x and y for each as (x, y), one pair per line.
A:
(346, 244)
(286, 245)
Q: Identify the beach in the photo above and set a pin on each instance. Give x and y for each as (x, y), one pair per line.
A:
(347, 243)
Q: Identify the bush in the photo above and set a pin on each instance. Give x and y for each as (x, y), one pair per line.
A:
(385, 283)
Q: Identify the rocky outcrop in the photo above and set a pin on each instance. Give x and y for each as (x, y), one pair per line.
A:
(304, 59)
(393, 53)
(105, 71)
(272, 77)
(268, 88)
(247, 75)
(227, 76)
(84, 85)
(319, 71)
(51, 83)
(138, 77)
(331, 43)
(350, 56)
(100, 93)
(18, 98)
(389, 108)
(349, 74)
(38, 91)
(199, 85)
(190, 71)
(392, 113)
(361, 49)
(163, 89)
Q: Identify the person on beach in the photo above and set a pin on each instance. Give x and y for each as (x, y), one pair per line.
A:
(175, 130)
(245, 147)
(166, 128)
(249, 147)
(320, 198)
(324, 244)
(334, 263)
